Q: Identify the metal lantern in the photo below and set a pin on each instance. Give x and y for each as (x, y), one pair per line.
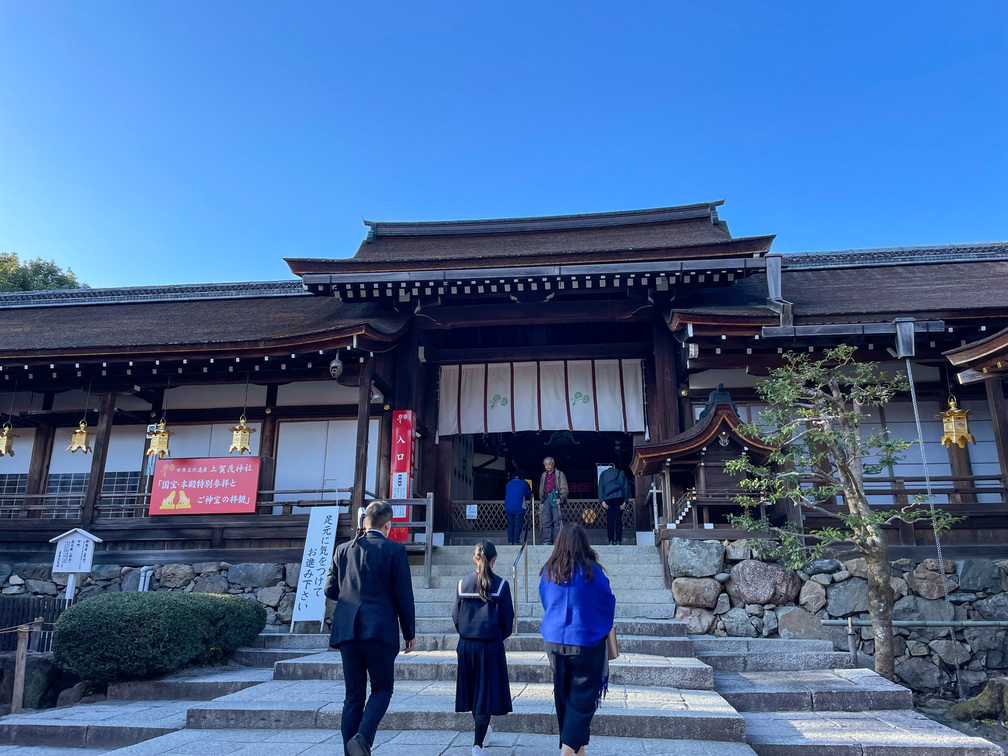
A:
(955, 426)
(240, 436)
(159, 441)
(80, 439)
(7, 440)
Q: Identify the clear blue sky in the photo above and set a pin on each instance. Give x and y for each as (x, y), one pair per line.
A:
(169, 142)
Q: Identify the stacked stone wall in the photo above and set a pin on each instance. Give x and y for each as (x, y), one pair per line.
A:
(720, 589)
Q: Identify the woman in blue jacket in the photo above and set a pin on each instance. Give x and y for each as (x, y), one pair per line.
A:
(579, 608)
(484, 617)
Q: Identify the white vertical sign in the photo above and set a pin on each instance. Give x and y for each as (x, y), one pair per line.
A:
(318, 551)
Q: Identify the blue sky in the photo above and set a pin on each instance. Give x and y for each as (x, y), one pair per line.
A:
(172, 142)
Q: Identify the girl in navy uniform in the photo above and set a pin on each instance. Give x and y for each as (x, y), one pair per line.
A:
(484, 616)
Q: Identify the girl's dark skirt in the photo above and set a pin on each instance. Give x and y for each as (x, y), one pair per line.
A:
(482, 685)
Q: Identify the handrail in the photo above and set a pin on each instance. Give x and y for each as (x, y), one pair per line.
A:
(514, 578)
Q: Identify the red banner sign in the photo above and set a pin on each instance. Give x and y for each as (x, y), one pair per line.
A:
(403, 456)
(211, 485)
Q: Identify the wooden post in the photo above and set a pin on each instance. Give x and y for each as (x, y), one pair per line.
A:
(962, 468)
(267, 450)
(20, 661)
(666, 399)
(38, 467)
(99, 455)
(363, 425)
(384, 455)
(999, 419)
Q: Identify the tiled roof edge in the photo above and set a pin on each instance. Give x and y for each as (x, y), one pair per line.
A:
(137, 294)
(981, 251)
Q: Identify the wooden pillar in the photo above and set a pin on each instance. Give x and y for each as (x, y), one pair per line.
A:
(38, 467)
(268, 450)
(106, 410)
(442, 463)
(642, 485)
(999, 419)
(363, 423)
(384, 455)
(962, 467)
(666, 399)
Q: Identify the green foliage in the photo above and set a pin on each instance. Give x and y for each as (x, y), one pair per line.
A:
(813, 420)
(34, 275)
(140, 636)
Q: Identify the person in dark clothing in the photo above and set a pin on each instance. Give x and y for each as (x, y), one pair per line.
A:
(578, 612)
(553, 492)
(484, 617)
(516, 492)
(370, 582)
(613, 494)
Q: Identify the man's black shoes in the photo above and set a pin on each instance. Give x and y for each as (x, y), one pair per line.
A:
(357, 746)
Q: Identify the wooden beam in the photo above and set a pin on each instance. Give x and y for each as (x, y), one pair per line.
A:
(361, 458)
(527, 314)
(999, 419)
(626, 350)
(99, 453)
(38, 467)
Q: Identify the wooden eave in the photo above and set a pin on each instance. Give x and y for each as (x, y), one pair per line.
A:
(649, 458)
(742, 246)
(366, 337)
(994, 347)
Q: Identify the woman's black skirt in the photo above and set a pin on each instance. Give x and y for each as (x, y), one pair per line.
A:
(482, 685)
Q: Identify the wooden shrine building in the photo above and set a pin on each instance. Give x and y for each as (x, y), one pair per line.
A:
(633, 338)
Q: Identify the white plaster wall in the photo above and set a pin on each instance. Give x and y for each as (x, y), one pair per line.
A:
(126, 447)
(63, 461)
(212, 397)
(307, 393)
(983, 454)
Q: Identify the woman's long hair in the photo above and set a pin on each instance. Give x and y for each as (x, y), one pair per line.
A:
(485, 552)
(571, 550)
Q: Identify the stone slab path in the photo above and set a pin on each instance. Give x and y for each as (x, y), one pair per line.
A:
(413, 743)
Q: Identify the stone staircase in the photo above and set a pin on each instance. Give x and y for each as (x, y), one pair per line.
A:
(675, 694)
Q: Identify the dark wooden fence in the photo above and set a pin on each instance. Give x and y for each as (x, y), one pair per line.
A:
(21, 610)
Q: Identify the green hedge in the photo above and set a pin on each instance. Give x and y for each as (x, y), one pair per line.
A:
(139, 636)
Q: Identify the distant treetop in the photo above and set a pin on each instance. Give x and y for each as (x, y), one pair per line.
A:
(34, 275)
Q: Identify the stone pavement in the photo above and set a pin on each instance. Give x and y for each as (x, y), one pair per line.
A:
(412, 743)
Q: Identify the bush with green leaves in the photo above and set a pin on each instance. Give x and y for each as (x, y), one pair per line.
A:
(140, 636)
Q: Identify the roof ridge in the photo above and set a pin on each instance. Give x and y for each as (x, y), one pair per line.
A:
(545, 222)
(162, 293)
(880, 256)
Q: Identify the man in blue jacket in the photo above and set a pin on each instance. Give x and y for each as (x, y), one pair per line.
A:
(516, 492)
(370, 582)
(613, 494)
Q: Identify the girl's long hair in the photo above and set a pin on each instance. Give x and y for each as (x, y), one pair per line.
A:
(570, 551)
(485, 552)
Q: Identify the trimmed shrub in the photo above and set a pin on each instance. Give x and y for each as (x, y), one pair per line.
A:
(140, 636)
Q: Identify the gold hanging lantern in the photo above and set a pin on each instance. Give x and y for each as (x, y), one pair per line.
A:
(7, 440)
(955, 426)
(159, 441)
(240, 437)
(80, 439)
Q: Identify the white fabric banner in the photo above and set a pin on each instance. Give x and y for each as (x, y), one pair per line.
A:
(309, 604)
(505, 397)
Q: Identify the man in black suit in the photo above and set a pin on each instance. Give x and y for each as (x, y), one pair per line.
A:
(370, 582)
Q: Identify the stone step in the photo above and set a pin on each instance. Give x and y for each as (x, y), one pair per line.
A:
(659, 628)
(647, 712)
(774, 661)
(623, 595)
(609, 556)
(106, 725)
(624, 610)
(637, 644)
(633, 581)
(841, 733)
(408, 743)
(292, 641)
(708, 643)
(458, 569)
(811, 690)
(267, 657)
(523, 667)
(191, 685)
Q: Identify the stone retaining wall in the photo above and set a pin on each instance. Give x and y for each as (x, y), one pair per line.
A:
(719, 589)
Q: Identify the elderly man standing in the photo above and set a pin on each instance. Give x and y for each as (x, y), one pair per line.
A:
(553, 491)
